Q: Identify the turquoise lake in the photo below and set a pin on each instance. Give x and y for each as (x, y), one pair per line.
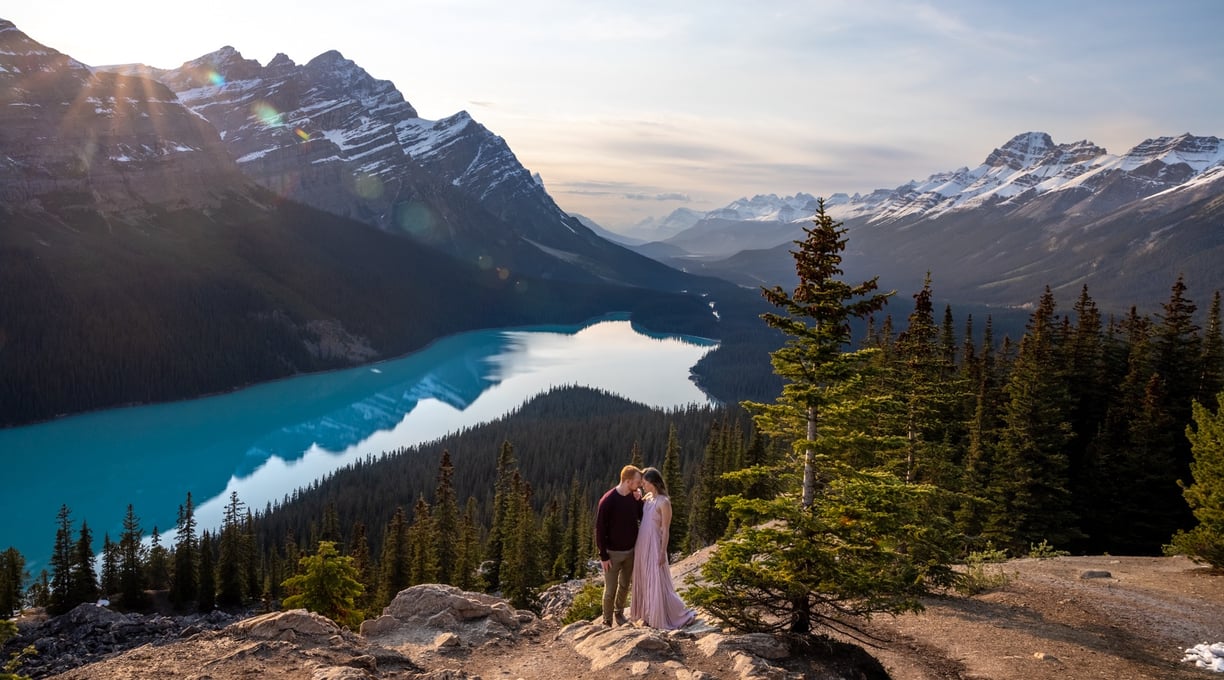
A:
(267, 440)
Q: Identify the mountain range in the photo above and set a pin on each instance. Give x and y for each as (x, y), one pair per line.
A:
(171, 233)
(1033, 213)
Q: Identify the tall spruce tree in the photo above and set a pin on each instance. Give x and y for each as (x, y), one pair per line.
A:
(446, 520)
(232, 558)
(12, 577)
(394, 563)
(503, 517)
(423, 536)
(1205, 493)
(62, 561)
(206, 592)
(852, 542)
(84, 586)
(109, 582)
(159, 562)
(820, 374)
(359, 550)
(677, 540)
(1029, 481)
(1211, 373)
(184, 581)
(984, 425)
(468, 556)
(570, 563)
(132, 564)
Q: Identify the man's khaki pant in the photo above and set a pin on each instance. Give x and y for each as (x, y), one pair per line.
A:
(616, 582)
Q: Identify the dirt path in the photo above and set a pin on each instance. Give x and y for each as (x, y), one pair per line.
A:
(1048, 622)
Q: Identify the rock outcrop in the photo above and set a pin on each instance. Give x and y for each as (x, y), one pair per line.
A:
(445, 617)
(89, 633)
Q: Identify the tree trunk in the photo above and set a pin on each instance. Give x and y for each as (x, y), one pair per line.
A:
(809, 461)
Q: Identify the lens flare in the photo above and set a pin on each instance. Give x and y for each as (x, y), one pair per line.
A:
(216, 78)
(302, 133)
(368, 186)
(414, 218)
(503, 273)
(484, 262)
(267, 115)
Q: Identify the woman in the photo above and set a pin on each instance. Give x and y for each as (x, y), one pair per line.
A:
(654, 600)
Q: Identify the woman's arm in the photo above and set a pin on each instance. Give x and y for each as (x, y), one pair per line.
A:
(665, 516)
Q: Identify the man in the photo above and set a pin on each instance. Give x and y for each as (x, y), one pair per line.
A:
(616, 529)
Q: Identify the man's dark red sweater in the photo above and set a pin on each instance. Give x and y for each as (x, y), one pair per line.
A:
(616, 522)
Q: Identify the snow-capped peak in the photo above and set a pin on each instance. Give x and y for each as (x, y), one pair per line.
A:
(768, 208)
(1021, 151)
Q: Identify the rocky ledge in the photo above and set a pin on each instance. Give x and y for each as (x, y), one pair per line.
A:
(428, 632)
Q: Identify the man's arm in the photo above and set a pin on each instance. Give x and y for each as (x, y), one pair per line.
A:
(601, 530)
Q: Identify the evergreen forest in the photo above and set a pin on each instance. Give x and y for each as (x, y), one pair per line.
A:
(910, 444)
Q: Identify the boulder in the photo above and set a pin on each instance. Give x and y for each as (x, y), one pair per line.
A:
(290, 625)
(612, 646)
(762, 645)
(418, 615)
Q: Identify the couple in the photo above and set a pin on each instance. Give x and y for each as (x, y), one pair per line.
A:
(629, 551)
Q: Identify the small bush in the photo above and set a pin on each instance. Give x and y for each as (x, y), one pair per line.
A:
(983, 571)
(587, 604)
(1045, 551)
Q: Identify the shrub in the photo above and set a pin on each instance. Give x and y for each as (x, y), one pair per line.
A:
(587, 604)
(983, 571)
(1044, 551)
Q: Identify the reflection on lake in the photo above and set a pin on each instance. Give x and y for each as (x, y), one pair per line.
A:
(264, 441)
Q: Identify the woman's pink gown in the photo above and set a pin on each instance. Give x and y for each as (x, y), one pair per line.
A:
(654, 599)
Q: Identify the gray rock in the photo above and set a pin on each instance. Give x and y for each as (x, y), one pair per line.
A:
(1095, 573)
(756, 644)
(288, 625)
(611, 646)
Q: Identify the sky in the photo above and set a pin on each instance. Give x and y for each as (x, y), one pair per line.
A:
(632, 109)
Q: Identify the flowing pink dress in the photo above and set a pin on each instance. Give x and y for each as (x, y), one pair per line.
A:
(655, 601)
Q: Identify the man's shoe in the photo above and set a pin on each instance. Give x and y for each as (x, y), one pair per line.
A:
(621, 620)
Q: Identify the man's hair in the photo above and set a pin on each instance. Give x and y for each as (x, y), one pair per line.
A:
(629, 472)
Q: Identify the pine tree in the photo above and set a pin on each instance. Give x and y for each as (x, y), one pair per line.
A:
(84, 586)
(394, 564)
(62, 558)
(131, 564)
(206, 595)
(327, 584)
(552, 536)
(159, 562)
(359, 550)
(983, 429)
(635, 456)
(330, 530)
(677, 540)
(184, 582)
(1205, 494)
(468, 556)
(1211, 375)
(109, 583)
(853, 542)
(231, 562)
(12, 576)
(520, 567)
(816, 320)
(446, 521)
(423, 536)
(1028, 484)
(570, 563)
(503, 502)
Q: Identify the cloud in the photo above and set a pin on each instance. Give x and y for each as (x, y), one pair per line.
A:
(659, 197)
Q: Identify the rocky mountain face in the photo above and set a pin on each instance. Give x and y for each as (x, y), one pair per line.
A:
(138, 263)
(1034, 213)
(100, 138)
(329, 135)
